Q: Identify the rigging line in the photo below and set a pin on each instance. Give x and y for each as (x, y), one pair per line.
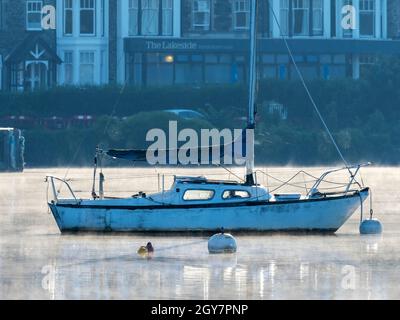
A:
(108, 123)
(230, 172)
(307, 90)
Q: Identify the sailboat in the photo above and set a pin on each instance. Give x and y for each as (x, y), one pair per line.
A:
(198, 204)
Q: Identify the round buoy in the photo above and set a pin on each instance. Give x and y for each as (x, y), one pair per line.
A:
(222, 243)
(372, 226)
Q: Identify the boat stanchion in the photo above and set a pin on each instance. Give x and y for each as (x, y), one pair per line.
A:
(370, 226)
(222, 243)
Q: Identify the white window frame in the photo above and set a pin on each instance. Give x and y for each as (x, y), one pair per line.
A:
(202, 7)
(103, 18)
(167, 12)
(320, 11)
(284, 17)
(70, 63)
(66, 9)
(368, 7)
(86, 7)
(33, 7)
(150, 7)
(241, 7)
(301, 5)
(91, 61)
(133, 16)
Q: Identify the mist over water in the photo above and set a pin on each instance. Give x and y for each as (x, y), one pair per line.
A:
(36, 262)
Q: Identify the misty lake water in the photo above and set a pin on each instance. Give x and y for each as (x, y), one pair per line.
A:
(37, 262)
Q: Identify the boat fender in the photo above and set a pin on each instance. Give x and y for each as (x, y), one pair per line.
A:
(371, 226)
(222, 243)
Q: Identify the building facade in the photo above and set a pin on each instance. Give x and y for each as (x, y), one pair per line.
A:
(211, 45)
(83, 42)
(28, 58)
(189, 42)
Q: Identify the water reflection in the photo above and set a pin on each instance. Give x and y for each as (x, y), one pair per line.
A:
(36, 262)
(196, 275)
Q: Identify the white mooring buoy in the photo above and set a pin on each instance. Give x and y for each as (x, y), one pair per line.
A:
(371, 226)
(222, 243)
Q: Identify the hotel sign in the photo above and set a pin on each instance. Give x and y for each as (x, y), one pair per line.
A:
(303, 46)
(170, 45)
(184, 45)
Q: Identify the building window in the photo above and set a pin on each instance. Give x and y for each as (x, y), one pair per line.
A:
(347, 33)
(284, 17)
(241, 14)
(86, 70)
(218, 69)
(2, 15)
(367, 18)
(34, 15)
(68, 67)
(150, 17)
(366, 63)
(160, 70)
(300, 17)
(103, 18)
(317, 17)
(87, 17)
(68, 17)
(1, 71)
(201, 15)
(133, 17)
(167, 17)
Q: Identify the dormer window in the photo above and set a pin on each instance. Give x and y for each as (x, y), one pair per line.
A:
(34, 15)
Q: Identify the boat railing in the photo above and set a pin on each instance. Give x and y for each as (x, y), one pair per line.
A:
(56, 192)
(353, 170)
(313, 183)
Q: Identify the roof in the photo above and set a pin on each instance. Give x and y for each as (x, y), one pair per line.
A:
(23, 50)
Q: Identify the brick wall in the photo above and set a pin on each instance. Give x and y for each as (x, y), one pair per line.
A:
(394, 19)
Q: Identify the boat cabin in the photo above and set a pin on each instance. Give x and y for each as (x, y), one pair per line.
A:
(197, 190)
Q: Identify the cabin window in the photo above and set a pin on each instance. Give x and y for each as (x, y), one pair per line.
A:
(198, 195)
(235, 194)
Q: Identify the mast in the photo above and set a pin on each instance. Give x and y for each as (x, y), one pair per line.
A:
(251, 123)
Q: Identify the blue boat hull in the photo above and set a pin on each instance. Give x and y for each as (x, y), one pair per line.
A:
(314, 215)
